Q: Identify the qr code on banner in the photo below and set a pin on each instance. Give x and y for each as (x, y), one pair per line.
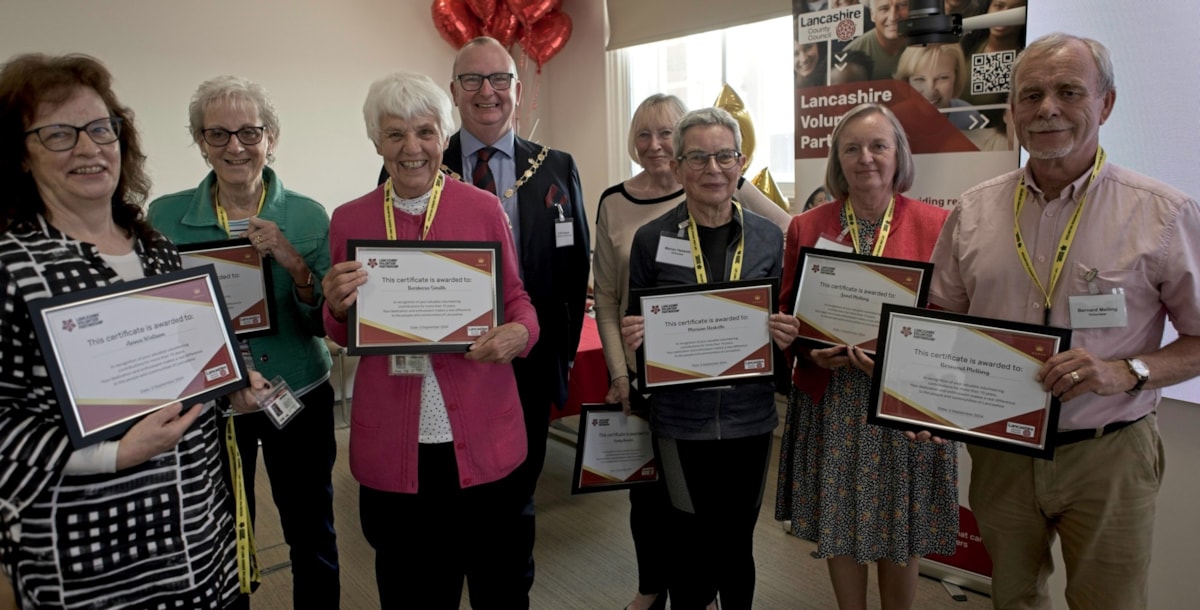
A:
(990, 71)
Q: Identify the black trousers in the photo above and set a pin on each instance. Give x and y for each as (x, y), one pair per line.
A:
(425, 543)
(716, 490)
(299, 461)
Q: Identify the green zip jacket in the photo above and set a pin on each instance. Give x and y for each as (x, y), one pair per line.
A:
(297, 351)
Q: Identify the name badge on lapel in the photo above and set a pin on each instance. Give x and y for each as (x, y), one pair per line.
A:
(1098, 311)
(564, 229)
(674, 251)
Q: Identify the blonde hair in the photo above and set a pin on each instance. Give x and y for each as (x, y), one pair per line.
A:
(913, 58)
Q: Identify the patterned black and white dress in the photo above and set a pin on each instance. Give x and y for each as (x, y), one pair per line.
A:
(859, 490)
(158, 535)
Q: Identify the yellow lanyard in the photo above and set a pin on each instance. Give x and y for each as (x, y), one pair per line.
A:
(435, 196)
(735, 272)
(884, 229)
(1064, 241)
(247, 560)
(223, 217)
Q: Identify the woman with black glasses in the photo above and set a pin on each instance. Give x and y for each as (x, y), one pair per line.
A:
(138, 522)
(236, 128)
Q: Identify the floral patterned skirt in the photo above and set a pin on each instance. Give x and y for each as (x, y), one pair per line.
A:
(859, 490)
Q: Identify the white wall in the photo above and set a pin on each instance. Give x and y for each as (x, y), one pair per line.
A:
(315, 58)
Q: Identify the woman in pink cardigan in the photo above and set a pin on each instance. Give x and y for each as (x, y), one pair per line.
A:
(861, 492)
(435, 438)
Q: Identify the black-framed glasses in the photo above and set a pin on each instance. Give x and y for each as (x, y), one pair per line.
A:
(726, 159)
(59, 138)
(248, 136)
(499, 80)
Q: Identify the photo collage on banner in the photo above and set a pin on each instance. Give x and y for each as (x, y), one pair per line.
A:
(950, 98)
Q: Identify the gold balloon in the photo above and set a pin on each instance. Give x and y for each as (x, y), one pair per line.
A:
(766, 184)
(731, 102)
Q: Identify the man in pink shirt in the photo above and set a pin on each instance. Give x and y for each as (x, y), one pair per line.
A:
(1132, 249)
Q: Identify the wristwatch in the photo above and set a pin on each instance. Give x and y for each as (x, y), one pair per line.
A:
(1139, 370)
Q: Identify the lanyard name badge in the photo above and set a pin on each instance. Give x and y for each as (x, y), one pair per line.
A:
(674, 249)
(411, 364)
(1064, 241)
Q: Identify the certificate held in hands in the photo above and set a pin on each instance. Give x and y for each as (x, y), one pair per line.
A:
(424, 296)
(839, 294)
(117, 353)
(245, 280)
(706, 334)
(966, 378)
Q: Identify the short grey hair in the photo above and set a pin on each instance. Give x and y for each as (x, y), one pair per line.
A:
(659, 104)
(407, 96)
(701, 117)
(479, 41)
(835, 174)
(1052, 42)
(239, 93)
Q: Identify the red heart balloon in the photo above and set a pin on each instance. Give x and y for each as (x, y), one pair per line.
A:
(547, 37)
(484, 9)
(455, 22)
(504, 26)
(531, 11)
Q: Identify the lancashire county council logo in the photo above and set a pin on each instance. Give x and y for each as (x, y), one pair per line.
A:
(906, 331)
(654, 309)
(846, 29)
(372, 263)
(68, 325)
(816, 269)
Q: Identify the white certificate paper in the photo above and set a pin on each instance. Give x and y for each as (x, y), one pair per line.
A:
(706, 334)
(126, 350)
(613, 451)
(245, 282)
(423, 297)
(967, 378)
(838, 295)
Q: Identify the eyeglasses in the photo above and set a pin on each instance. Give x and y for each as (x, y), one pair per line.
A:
(59, 138)
(248, 136)
(499, 80)
(726, 159)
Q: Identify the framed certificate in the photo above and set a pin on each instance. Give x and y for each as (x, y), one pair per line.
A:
(706, 334)
(966, 378)
(614, 450)
(119, 352)
(424, 296)
(246, 282)
(838, 294)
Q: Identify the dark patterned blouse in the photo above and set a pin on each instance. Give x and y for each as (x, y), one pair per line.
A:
(158, 535)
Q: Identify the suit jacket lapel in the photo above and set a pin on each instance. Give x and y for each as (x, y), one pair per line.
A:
(452, 158)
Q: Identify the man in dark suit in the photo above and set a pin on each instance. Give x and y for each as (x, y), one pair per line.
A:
(539, 190)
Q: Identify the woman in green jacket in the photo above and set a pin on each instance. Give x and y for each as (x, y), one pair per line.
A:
(236, 128)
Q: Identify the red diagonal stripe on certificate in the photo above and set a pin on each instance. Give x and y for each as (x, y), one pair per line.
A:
(896, 406)
(593, 478)
(190, 290)
(480, 260)
(906, 279)
(93, 417)
(812, 332)
(756, 297)
(466, 332)
(369, 334)
(243, 255)
(259, 308)
(219, 369)
(1033, 419)
(756, 362)
(658, 373)
(1038, 348)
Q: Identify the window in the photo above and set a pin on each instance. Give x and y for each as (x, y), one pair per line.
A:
(754, 59)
